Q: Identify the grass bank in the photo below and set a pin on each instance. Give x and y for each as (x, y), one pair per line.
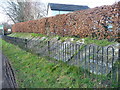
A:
(87, 40)
(38, 72)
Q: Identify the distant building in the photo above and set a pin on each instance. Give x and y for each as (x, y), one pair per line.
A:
(55, 9)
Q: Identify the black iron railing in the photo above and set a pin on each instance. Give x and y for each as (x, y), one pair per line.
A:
(9, 80)
(96, 61)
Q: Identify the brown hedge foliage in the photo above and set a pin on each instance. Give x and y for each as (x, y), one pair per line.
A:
(101, 22)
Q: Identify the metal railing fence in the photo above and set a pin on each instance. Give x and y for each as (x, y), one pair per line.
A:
(96, 61)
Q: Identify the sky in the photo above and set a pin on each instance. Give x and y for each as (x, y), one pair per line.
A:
(89, 3)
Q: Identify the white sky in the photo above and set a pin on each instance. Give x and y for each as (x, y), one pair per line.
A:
(89, 3)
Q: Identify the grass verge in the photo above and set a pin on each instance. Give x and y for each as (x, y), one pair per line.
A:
(37, 72)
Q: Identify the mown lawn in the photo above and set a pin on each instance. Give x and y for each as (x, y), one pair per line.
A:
(38, 72)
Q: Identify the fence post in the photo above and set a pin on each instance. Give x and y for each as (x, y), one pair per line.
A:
(119, 52)
(49, 48)
(25, 43)
(118, 40)
(119, 66)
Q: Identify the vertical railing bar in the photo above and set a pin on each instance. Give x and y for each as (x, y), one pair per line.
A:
(118, 67)
(26, 43)
(53, 44)
(112, 63)
(65, 52)
(89, 61)
(55, 47)
(79, 57)
(82, 53)
(107, 62)
(102, 63)
(97, 64)
(78, 54)
(77, 51)
(85, 59)
(70, 49)
(49, 48)
(74, 52)
(59, 49)
(93, 58)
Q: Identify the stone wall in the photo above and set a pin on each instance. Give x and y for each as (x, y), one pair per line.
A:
(101, 22)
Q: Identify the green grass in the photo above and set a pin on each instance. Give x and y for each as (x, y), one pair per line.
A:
(21, 35)
(37, 35)
(104, 42)
(38, 72)
(88, 40)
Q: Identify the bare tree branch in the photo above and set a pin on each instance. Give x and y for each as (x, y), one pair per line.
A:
(23, 11)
